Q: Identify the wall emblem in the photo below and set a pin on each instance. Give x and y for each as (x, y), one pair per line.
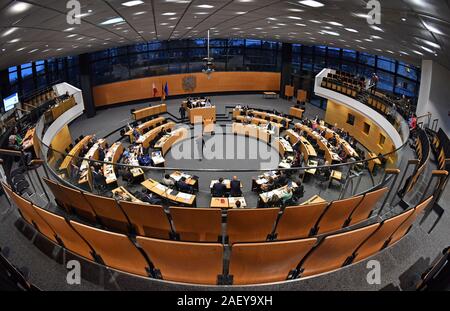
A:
(189, 83)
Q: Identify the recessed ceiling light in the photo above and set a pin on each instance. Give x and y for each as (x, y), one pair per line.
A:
(140, 13)
(32, 51)
(432, 44)
(295, 10)
(360, 15)
(112, 21)
(205, 6)
(330, 33)
(169, 14)
(294, 17)
(301, 25)
(201, 13)
(315, 21)
(427, 49)
(335, 24)
(19, 7)
(418, 53)
(351, 29)
(132, 3)
(9, 31)
(376, 28)
(433, 29)
(403, 19)
(71, 36)
(14, 40)
(21, 49)
(69, 29)
(312, 3)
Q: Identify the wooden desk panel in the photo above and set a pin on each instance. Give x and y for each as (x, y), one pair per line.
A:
(149, 124)
(74, 153)
(296, 112)
(200, 114)
(148, 137)
(171, 139)
(165, 192)
(149, 112)
(251, 131)
(141, 89)
(113, 155)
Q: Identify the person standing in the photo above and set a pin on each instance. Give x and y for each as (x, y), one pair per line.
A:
(182, 112)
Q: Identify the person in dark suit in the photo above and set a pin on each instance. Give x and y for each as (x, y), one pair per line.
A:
(219, 189)
(182, 112)
(183, 186)
(235, 187)
(282, 180)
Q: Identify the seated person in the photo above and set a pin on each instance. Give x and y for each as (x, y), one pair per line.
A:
(149, 197)
(167, 181)
(274, 201)
(269, 185)
(235, 187)
(219, 189)
(183, 186)
(282, 180)
(287, 195)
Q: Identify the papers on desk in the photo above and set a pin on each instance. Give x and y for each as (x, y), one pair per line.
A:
(157, 158)
(184, 196)
(161, 187)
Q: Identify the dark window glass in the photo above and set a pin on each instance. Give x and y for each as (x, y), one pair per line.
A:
(367, 59)
(386, 64)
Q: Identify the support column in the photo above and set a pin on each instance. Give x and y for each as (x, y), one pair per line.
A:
(286, 66)
(86, 86)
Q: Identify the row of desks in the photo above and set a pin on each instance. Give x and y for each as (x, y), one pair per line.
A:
(149, 112)
(144, 126)
(171, 195)
(330, 156)
(252, 130)
(148, 137)
(262, 115)
(76, 150)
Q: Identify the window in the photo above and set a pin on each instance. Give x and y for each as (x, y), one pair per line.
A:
(367, 59)
(407, 71)
(366, 128)
(382, 140)
(12, 75)
(351, 119)
(386, 64)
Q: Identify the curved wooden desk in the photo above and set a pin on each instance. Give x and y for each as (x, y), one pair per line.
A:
(262, 115)
(65, 165)
(147, 125)
(252, 130)
(322, 142)
(346, 146)
(148, 112)
(306, 148)
(92, 154)
(148, 137)
(112, 156)
(176, 197)
(167, 141)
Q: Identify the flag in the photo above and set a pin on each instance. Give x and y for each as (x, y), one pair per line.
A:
(155, 90)
(165, 91)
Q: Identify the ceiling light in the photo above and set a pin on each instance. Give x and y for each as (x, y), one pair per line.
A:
(351, 29)
(295, 10)
(361, 15)
(315, 21)
(312, 3)
(376, 28)
(403, 19)
(427, 49)
(335, 24)
(169, 14)
(21, 49)
(113, 21)
(433, 29)
(8, 32)
(140, 13)
(19, 7)
(69, 29)
(301, 25)
(132, 3)
(71, 36)
(294, 17)
(432, 44)
(331, 33)
(417, 52)
(205, 6)
(14, 40)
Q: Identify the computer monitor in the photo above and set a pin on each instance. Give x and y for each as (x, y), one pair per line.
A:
(10, 102)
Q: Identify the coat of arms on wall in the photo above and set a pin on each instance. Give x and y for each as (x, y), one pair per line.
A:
(189, 83)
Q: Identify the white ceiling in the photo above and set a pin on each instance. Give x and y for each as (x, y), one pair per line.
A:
(41, 31)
